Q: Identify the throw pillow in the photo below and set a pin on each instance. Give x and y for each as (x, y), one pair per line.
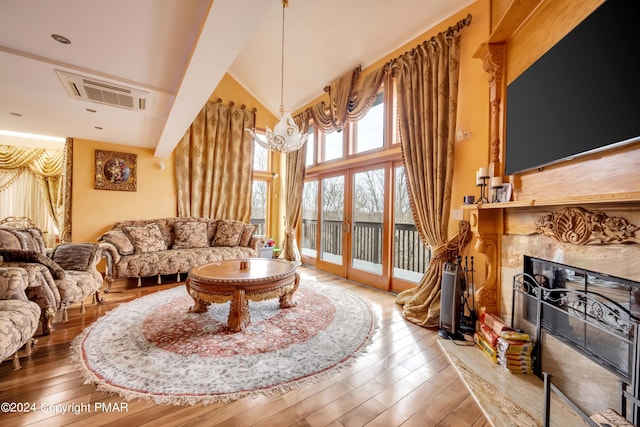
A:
(120, 240)
(19, 255)
(75, 256)
(228, 233)
(190, 234)
(146, 238)
(247, 234)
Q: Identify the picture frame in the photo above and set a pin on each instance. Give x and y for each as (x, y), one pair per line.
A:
(504, 194)
(115, 171)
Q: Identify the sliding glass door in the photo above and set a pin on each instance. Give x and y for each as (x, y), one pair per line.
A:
(358, 224)
(368, 239)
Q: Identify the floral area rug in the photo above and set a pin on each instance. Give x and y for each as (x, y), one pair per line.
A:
(153, 348)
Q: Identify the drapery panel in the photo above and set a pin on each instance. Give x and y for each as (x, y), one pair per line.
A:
(427, 85)
(214, 164)
(296, 168)
(66, 188)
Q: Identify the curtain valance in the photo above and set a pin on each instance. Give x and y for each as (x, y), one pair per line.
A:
(45, 163)
(351, 97)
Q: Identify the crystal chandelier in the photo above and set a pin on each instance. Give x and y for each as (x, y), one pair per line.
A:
(286, 135)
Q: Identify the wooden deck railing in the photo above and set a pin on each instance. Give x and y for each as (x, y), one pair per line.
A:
(409, 253)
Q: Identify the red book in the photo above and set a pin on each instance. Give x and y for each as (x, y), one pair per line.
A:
(489, 335)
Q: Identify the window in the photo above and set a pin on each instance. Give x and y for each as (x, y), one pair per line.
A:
(311, 147)
(259, 206)
(333, 147)
(260, 157)
(261, 189)
(370, 128)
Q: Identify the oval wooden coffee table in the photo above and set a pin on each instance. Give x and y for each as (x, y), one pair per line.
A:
(239, 281)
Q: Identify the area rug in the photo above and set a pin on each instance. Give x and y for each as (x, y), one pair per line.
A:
(152, 348)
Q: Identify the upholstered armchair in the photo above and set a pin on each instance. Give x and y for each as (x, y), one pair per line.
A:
(65, 276)
(18, 316)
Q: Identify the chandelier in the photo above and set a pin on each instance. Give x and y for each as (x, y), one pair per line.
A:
(286, 135)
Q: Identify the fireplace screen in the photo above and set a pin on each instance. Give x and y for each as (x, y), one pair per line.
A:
(592, 312)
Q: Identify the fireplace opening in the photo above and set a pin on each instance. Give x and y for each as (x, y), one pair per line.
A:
(594, 313)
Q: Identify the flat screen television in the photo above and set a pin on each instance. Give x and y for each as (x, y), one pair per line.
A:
(582, 96)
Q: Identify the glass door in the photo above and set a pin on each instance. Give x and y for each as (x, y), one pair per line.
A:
(410, 256)
(358, 224)
(309, 231)
(368, 239)
(333, 227)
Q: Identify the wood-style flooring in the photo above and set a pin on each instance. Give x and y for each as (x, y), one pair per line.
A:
(404, 379)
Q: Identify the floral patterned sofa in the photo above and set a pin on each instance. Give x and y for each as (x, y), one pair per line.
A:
(18, 316)
(156, 247)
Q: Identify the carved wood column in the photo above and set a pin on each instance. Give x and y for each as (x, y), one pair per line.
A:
(486, 226)
(493, 62)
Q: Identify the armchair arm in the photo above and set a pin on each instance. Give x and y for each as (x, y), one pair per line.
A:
(13, 282)
(110, 252)
(257, 242)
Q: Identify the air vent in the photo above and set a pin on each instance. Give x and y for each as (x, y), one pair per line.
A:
(90, 89)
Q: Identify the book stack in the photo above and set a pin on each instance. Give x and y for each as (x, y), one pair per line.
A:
(514, 353)
(504, 345)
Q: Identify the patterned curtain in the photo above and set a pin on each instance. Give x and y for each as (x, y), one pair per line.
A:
(296, 168)
(350, 98)
(47, 166)
(66, 189)
(214, 164)
(427, 83)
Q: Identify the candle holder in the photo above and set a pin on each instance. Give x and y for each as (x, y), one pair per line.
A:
(482, 183)
(496, 184)
(495, 189)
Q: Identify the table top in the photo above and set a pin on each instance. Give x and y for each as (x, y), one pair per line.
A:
(230, 271)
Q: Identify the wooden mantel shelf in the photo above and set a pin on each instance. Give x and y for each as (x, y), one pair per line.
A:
(517, 12)
(574, 200)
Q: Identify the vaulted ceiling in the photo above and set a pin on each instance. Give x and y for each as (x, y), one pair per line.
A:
(173, 53)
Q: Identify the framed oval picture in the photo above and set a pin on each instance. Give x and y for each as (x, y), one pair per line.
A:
(115, 171)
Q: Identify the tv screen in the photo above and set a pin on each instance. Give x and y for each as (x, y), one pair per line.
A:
(580, 96)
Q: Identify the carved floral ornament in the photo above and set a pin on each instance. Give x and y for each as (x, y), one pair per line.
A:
(582, 227)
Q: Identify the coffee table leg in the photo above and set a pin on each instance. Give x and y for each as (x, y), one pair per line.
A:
(238, 312)
(286, 300)
(199, 306)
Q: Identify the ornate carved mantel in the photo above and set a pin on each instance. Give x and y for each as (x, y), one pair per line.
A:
(486, 225)
(583, 227)
(493, 64)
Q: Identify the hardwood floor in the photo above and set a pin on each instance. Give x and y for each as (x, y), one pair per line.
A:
(404, 379)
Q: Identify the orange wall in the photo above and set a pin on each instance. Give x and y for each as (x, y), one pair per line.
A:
(229, 90)
(93, 211)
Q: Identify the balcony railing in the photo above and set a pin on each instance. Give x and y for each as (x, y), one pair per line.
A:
(409, 253)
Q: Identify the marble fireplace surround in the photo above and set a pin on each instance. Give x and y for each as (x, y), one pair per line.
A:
(605, 237)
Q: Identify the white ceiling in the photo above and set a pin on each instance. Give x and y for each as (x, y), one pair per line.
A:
(178, 50)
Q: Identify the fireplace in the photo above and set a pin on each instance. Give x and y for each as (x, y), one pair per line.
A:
(584, 361)
(592, 313)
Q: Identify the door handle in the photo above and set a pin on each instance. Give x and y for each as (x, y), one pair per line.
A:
(346, 227)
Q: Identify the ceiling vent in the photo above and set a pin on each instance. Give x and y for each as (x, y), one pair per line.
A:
(90, 89)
